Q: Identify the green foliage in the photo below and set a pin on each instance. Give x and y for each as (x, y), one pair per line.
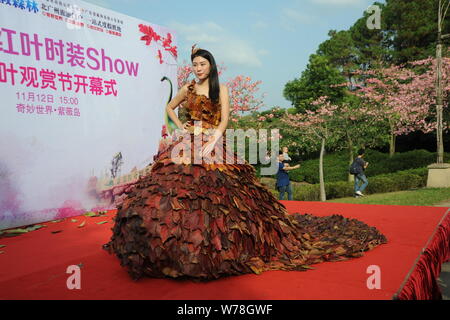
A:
(370, 44)
(411, 28)
(336, 165)
(403, 180)
(316, 81)
(339, 50)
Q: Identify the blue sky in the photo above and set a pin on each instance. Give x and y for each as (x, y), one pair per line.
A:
(266, 40)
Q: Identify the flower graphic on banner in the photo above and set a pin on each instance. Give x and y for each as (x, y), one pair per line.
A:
(166, 43)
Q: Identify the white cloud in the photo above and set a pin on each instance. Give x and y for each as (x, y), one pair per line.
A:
(338, 2)
(260, 25)
(291, 18)
(225, 46)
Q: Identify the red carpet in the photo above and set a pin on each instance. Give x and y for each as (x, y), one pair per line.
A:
(33, 265)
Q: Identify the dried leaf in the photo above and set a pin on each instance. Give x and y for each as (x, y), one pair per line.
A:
(74, 220)
(57, 231)
(196, 237)
(340, 250)
(89, 214)
(216, 242)
(176, 205)
(102, 222)
(2, 245)
(82, 224)
(164, 233)
(255, 270)
(18, 230)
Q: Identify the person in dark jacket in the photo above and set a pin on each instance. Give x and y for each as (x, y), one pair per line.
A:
(360, 177)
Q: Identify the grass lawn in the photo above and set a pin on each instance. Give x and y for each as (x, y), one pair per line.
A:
(419, 197)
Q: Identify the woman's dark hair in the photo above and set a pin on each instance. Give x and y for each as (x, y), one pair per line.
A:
(361, 152)
(214, 88)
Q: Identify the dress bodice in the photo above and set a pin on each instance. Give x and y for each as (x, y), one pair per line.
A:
(201, 108)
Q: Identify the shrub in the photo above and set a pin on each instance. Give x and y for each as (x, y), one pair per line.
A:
(402, 180)
(336, 165)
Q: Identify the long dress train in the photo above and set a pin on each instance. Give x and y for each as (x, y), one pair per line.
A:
(205, 221)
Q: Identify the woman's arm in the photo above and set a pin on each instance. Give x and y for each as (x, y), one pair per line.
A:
(225, 112)
(287, 167)
(174, 103)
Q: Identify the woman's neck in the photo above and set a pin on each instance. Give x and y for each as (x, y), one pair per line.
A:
(204, 82)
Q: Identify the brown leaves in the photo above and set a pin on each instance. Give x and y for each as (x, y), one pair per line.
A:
(200, 221)
(216, 242)
(176, 205)
(220, 224)
(196, 238)
(164, 233)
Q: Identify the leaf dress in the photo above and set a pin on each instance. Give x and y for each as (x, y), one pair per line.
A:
(207, 220)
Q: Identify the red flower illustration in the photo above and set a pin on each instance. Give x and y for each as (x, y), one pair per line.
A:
(150, 35)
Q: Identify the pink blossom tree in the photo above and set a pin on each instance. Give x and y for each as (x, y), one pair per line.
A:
(243, 96)
(403, 98)
(317, 128)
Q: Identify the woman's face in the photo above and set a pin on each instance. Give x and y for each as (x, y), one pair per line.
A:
(201, 67)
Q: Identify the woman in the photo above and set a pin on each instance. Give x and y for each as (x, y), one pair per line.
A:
(207, 220)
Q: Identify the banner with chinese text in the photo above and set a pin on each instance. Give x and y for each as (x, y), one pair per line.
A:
(82, 105)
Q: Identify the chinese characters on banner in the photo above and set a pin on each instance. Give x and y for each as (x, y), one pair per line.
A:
(68, 53)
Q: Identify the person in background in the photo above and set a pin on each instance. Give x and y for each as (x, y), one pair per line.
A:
(285, 154)
(360, 165)
(283, 183)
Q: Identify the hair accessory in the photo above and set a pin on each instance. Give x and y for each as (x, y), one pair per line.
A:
(194, 49)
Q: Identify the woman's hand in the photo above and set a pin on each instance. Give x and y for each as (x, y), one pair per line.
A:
(209, 146)
(185, 128)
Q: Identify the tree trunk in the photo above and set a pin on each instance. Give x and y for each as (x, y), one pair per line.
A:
(439, 99)
(392, 145)
(323, 196)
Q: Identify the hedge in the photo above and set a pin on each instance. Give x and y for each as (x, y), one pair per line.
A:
(336, 165)
(402, 180)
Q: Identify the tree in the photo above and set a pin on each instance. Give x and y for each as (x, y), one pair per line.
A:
(341, 52)
(403, 97)
(317, 129)
(316, 81)
(371, 45)
(411, 28)
(359, 127)
(242, 96)
(439, 90)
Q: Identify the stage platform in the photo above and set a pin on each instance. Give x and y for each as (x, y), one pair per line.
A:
(33, 265)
